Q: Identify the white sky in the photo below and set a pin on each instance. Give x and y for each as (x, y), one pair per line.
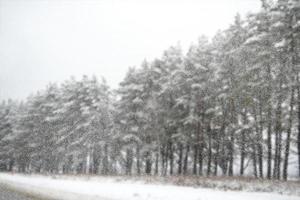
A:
(48, 41)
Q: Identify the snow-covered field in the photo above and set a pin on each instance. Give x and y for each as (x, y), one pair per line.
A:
(105, 188)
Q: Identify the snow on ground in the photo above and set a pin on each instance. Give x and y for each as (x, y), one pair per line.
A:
(102, 188)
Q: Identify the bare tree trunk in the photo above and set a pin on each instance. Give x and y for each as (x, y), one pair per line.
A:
(220, 142)
(195, 159)
(105, 160)
(224, 158)
(156, 162)
(209, 150)
(269, 118)
(129, 160)
(295, 60)
(254, 161)
(166, 160)
(11, 163)
(216, 157)
(243, 141)
(171, 157)
(231, 153)
(288, 137)
(201, 147)
(163, 160)
(278, 138)
(201, 158)
(88, 160)
(233, 120)
(148, 157)
(260, 140)
(269, 144)
(186, 158)
(148, 163)
(298, 138)
(96, 159)
(242, 154)
(180, 146)
(138, 158)
(279, 155)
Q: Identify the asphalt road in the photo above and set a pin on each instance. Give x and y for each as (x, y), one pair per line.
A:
(10, 194)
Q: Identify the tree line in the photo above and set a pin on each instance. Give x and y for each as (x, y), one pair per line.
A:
(229, 106)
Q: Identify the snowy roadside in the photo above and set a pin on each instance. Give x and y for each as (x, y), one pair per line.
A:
(73, 188)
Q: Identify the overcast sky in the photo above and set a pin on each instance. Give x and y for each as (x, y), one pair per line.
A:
(49, 41)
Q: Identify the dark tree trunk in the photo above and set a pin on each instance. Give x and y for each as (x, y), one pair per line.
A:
(243, 141)
(148, 163)
(138, 160)
(201, 158)
(242, 153)
(278, 138)
(180, 146)
(148, 157)
(171, 157)
(231, 153)
(129, 160)
(259, 138)
(254, 160)
(269, 143)
(260, 146)
(275, 169)
(288, 137)
(223, 158)
(186, 159)
(163, 160)
(105, 160)
(298, 138)
(209, 150)
(96, 160)
(279, 155)
(201, 147)
(220, 141)
(295, 60)
(216, 158)
(195, 160)
(233, 120)
(166, 152)
(269, 118)
(156, 163)
(11, 164)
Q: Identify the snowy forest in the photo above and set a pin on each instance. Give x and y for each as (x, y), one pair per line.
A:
(229, 106)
